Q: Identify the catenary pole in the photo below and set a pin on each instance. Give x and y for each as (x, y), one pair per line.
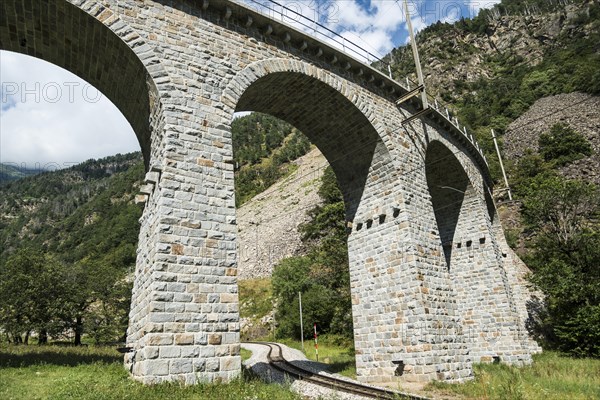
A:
(415, 51)
(501, 165)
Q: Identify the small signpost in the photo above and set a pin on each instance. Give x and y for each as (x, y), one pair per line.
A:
(316, 342)
(301, 327)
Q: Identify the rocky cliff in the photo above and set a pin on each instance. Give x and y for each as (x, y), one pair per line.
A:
(452, 55)
(268, 224)
(579, 111)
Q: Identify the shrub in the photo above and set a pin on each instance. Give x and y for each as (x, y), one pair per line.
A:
(563, 145)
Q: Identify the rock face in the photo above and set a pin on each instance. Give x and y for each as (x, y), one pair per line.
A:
(268, 224)
(455, 56)
(577, 110)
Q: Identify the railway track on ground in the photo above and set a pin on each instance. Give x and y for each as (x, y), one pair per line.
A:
(279, 363)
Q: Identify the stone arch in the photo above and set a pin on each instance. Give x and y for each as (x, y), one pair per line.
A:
(93, 43)
(334, 118)
(452, 195)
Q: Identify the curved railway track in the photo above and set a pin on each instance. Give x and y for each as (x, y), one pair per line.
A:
(278, 362)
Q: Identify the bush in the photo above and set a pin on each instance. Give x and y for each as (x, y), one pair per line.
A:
(563, 145)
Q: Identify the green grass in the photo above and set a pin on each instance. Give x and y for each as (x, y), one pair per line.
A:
(246, 354)
(54, 372)
(552, 376)
(256, 301)
(256, 297)
(337, 352)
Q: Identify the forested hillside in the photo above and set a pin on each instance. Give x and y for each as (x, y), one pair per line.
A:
(68, 241)
(263, 147)
(9, 172)
(46, 209)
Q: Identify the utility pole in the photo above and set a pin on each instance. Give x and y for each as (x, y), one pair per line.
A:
(316, 342)
(420, 89)
(415, 51)
(501, 165)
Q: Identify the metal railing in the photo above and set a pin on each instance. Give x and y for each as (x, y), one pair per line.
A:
(291, 17)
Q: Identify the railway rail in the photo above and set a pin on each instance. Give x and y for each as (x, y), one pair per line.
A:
(279, 363)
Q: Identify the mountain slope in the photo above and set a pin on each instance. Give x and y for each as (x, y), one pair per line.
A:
(485, 47)
(86, 209)
(10, 172)
(492, 68)
(577, 110)
(268, 223)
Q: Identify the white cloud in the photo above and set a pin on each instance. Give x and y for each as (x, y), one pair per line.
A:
(372, 26)
(51, 117)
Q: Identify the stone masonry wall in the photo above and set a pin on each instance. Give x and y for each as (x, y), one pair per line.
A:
(179, 70)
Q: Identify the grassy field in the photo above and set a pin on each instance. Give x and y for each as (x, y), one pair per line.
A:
(551, 377)
(58, 372)
(64, 373)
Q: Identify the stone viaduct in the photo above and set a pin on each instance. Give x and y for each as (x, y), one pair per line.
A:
(434, 285)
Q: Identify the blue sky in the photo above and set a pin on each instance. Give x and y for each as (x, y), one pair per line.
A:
(50, 118)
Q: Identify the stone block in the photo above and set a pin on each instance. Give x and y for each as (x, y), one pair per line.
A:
(159, 339)
(229, 298)
(169, 352)
(214, 339)
(181, 367)
(184, 339)
(156, 367)
(212, 364)
(230, 363)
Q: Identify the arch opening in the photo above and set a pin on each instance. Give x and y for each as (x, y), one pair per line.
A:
(337, 125)
(451, 192)
(331, 122)
(66, 36)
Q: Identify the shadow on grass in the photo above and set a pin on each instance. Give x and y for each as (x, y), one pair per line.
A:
(27, 356)
(340, 366)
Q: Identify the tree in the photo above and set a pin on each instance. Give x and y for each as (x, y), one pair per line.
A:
(98, 296)
(290, 276)
(32, 295)
(566, 260)
(322, 275)
(560, 209)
